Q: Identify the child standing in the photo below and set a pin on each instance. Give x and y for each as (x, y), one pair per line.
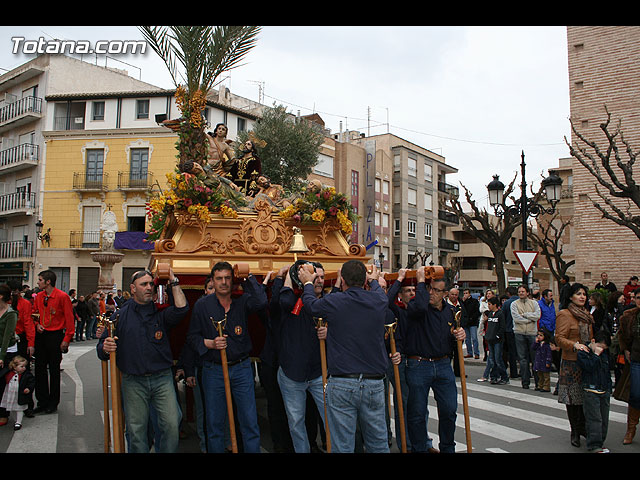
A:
(494, 336)
(596, 383)
(16, 387)
(543, 360)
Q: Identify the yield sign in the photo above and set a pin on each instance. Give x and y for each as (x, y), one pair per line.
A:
(526, 259)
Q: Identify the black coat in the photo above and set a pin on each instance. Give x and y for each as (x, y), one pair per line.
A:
(27, 380)
(470, 316)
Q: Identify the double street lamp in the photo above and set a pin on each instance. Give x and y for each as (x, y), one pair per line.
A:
(524, 207)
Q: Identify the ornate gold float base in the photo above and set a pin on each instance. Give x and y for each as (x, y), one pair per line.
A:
(260, 238)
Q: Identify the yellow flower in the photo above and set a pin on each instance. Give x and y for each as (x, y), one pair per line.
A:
(288, 212)
(229, 212)
(318, 215)
(345, 223)
(200, 211)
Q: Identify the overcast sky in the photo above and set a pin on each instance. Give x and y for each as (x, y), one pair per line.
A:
(478, 95)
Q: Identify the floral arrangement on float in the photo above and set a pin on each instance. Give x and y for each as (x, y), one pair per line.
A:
(189, 194)
(322, 204)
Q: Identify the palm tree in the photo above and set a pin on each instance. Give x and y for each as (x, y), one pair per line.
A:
(196, 56)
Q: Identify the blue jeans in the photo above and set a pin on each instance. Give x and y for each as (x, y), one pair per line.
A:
(139, 394)
(91, 327)
(356, 401)
(471, 340)
(242, 388)
(405, 398)
(596, 418)
(423, 375)
(495, 364)
(524, 344)
(294, 396)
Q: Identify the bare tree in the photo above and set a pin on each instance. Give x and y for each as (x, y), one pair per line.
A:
(494, 231)
(548, 239)
(613, 173)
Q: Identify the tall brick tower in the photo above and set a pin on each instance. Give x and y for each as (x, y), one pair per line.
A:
(604, 69)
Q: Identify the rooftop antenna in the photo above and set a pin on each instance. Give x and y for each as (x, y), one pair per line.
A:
(260, 90)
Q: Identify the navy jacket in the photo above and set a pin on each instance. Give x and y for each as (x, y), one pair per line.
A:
(270, 354)
(431, 335)
(495, 327)
(400, 315)
(355, 334)
(506, 308)
(143, 341)
(300, 347)
(239, 344)
(595, 371)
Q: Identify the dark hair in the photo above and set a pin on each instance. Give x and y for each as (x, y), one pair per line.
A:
(317, 265)
(565, 278)
(494, 301)
(207, 280)
(636, 291)
(602, 336)
(598, 298)
(221, 266)
(612, 299)
(14, 285)
(634, 277)
(48, 275)
(546, 335)
(512, 291)
(136, 275)
(354, 273)
(526, 287)
(5, 293)
(575, 288)
(546, 291)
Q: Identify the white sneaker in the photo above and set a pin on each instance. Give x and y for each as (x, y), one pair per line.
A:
(482, 379)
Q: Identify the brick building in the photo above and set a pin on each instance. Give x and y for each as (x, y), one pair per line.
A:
(604, 69)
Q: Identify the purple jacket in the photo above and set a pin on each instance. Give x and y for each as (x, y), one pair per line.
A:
(543, 360)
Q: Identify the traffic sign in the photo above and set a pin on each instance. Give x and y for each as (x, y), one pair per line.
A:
(526, 259)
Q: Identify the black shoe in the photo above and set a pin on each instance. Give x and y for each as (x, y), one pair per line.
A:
(526, 387)
(39, 410)
(29, 413)
(575, 439)
(51, 410)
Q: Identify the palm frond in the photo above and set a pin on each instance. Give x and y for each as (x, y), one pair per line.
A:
(160, 41)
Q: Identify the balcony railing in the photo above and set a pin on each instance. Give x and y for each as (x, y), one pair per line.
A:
(90, 181)
(448, 217)
(135, 180)
(17, 202)
(447, 188)
(19, 108)
(85, 239)
(447, 244)
(25, 154)
(16, 249)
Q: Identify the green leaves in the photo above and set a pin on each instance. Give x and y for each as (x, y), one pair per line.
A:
(291, 147)
(203, 53)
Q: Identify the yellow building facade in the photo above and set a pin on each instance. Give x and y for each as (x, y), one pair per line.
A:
(88, 175)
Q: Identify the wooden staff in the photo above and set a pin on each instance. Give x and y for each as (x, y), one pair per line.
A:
(105, 397)
(323, 364)
(227, 386)
(392, 341)
(116, 401)
(463, 383)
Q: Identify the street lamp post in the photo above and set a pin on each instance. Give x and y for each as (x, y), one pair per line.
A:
(524, 207)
